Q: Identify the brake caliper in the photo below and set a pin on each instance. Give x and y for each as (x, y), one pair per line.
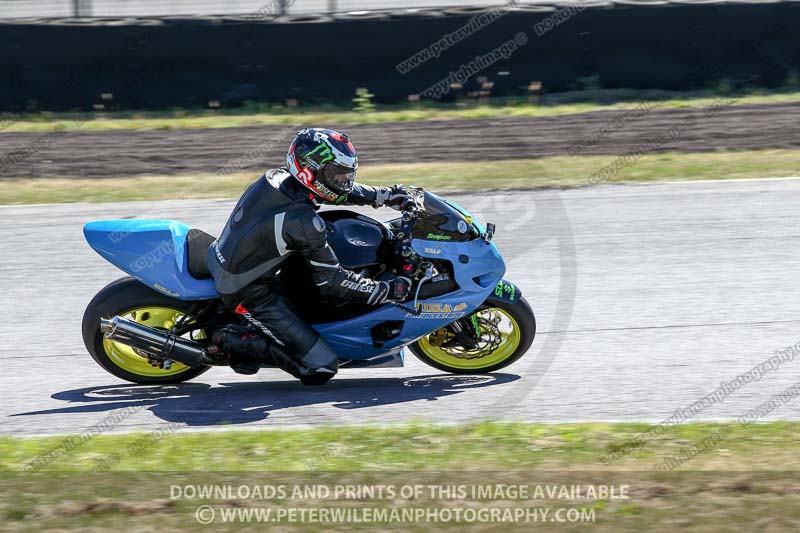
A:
(476, 325)
(438, 337)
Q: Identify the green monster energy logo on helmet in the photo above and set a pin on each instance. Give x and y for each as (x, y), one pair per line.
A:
(324, 151)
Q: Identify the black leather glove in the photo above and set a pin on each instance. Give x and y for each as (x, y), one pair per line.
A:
(393, 196)
(400, 288)
(394, 290)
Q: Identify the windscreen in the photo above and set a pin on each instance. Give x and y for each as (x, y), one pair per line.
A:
(442, 222)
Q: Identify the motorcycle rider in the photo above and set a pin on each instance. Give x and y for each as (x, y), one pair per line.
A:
(276, 216)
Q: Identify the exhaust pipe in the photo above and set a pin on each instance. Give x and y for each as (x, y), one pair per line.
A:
(159, 343)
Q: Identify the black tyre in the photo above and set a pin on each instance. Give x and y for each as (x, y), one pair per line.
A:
(130, 298)
(507, 331)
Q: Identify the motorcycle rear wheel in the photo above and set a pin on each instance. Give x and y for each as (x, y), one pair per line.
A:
(517, 328)
(129, 298)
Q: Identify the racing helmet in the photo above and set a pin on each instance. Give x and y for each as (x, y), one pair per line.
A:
(325, 162)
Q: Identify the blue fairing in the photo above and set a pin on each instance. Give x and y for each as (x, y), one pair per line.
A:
(152, 251)
(476, 280)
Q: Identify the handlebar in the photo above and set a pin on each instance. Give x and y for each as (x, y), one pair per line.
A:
(409, 261)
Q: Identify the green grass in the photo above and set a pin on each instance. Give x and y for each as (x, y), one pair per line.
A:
(485, 446)
(748, 478)
(258, 115)
(567, 171)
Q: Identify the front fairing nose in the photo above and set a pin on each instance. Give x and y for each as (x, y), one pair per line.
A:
(477, 265)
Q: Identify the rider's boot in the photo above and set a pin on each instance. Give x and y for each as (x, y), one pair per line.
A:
(247, 351)
(240, 347)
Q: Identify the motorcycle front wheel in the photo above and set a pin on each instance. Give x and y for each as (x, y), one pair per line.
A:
(504, 332)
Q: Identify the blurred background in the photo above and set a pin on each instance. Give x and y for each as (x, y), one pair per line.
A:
(155, 54)
(153, 8)
(527, 80)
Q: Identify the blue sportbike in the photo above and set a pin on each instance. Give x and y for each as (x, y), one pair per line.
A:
(155, 325)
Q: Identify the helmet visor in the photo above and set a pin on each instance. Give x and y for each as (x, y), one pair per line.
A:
(338, 178)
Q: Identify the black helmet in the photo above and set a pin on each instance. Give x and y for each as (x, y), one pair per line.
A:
(325, 161)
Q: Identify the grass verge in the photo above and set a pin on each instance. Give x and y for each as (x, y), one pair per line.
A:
(745, 477)
(568, 171)
(486, 446)
(258, 115)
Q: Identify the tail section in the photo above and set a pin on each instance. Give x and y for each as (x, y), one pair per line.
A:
(152, 251)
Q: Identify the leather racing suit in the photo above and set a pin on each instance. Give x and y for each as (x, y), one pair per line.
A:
(276, 216)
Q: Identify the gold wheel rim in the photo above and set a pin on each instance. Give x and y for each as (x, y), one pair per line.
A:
(511, 337)
(127, 359)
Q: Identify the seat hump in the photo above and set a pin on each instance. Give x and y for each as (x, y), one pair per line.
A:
(197, 244)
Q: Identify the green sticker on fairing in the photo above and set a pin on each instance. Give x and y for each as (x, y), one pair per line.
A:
(438, 237)
(506, 290)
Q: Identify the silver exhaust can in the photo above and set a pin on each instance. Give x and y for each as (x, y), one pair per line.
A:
(161, 344)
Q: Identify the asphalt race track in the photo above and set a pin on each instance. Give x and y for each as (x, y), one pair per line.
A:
(647, 297)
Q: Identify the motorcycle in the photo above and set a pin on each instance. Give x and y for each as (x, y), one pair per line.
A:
(155, 325)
